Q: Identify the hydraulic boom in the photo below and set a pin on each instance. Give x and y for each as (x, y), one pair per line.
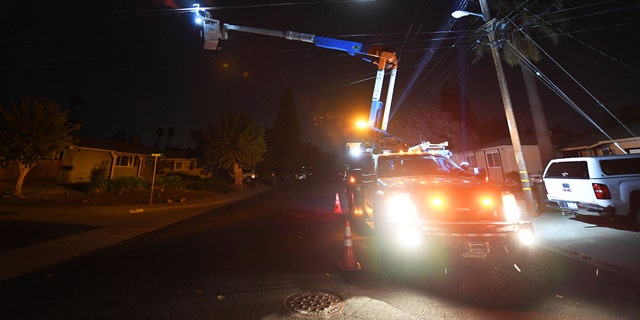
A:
(213, 32)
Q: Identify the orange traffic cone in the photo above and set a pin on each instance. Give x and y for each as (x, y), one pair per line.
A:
(336, 207)
(348, 262)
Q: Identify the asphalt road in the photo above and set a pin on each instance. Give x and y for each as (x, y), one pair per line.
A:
(276, 254)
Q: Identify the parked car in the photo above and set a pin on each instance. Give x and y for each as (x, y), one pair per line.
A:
(249, 177)
(300, 175)
(600, 186)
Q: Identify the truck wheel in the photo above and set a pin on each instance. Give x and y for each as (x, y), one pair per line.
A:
(633, 216)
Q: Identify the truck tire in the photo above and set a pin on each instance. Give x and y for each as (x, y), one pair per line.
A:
(634, 209)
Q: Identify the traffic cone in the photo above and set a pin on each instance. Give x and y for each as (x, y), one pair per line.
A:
(336, 207)
(348, 262)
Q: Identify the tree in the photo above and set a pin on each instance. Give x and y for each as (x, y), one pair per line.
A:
(159, 134)
(454, 102)
(124, 137)
(31, 131)
(170, 134)
(285, 152)
(234, 143)
(422, 123)
(524, 23)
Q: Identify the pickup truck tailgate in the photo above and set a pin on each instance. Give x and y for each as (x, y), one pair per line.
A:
(577, 190)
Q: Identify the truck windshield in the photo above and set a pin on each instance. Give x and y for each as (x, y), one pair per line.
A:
(415, 166)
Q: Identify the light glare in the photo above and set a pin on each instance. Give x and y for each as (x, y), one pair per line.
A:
(510, 207)
(526, 237)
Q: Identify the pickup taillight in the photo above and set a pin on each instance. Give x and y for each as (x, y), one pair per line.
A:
(601, 191)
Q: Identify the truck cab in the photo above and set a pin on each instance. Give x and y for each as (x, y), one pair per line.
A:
(422, 204)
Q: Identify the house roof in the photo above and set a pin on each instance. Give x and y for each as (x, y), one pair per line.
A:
(112, 145)
(591, 137)
(131, 147)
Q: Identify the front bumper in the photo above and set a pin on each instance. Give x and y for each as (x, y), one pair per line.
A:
(463, 244)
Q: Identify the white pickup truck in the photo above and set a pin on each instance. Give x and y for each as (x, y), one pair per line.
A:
(602, 186)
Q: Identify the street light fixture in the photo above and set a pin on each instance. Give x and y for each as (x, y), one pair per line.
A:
(506, 100)
(460, 13)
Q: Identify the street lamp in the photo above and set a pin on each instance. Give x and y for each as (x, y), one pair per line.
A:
(506, 100)
(460, 13)
(153, 179)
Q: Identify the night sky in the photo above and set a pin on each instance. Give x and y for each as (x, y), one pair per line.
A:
(135, 66)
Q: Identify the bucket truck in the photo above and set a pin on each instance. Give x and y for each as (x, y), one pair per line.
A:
(421, 204)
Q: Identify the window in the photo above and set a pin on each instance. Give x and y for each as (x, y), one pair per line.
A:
(493, 160)
(471, 160)
(568, 169)
(181, 165)
(58, 155)
(620, 166)
(126, 161)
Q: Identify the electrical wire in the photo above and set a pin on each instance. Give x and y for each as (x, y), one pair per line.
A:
(530, 67)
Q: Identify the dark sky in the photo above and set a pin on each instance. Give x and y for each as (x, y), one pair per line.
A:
(136, 67)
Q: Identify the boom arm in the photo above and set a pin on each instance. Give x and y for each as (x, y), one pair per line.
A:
(350, 47)
(385, 60)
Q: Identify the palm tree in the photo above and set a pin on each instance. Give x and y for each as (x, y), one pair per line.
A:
(518, 24)
(170, 134)
(159, 134)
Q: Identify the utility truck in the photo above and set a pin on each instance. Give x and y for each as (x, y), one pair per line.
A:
(417, 200)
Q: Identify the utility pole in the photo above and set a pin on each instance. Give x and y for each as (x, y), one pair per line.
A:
(508, 109)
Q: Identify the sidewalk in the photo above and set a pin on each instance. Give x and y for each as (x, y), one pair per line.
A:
(113, 224)
(612, 247)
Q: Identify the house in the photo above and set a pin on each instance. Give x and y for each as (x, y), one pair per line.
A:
(113, 159)
(110, 158)
(498, 158)
(182, 162)
(619, 140)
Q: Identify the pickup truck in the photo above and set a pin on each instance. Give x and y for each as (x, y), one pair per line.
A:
(423, 205)
(600, 186)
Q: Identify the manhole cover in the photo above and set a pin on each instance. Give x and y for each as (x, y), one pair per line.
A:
(314, 304)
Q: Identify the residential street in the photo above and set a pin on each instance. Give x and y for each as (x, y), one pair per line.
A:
(291, 243)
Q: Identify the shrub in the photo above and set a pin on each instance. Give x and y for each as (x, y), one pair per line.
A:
(171, 181)
(98, 180)
(122, 184)
(99, 171)
(98, 185)
(212, 184)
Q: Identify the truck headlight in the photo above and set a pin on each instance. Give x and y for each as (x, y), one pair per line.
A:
(401, 208)
(526, 236)
(510, 206)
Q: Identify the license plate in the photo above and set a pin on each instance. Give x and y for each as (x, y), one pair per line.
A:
(568, 205)
(476, 250)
